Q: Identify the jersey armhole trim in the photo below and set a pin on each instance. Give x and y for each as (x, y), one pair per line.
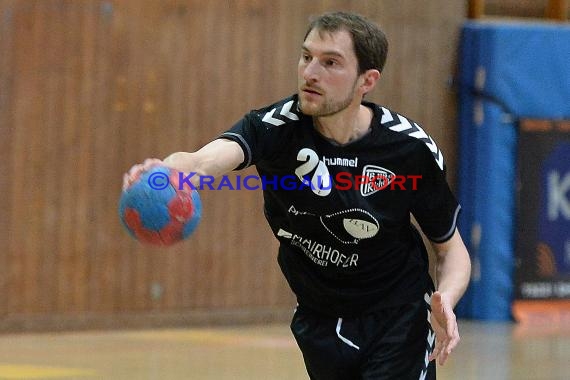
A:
(244, 145)
(451, 231)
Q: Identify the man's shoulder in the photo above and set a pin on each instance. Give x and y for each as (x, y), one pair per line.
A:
(285, 111)
(409, 129)
(392, 119)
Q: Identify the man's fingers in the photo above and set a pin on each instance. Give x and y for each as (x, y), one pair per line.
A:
(450, 324)
(442, 352)
(151, 162)
(126, 181)
(445, 346)
(130, 176)
(454, 341)
(436, 350)
(136, 170)
(444, 323)
(443, 357)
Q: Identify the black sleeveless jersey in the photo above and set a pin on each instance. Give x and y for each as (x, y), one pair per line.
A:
(342, 212)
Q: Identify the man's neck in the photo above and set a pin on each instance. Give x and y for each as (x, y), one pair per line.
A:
(346, 126)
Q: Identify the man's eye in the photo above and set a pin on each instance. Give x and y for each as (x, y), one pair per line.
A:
(330, 62)
(306, 57)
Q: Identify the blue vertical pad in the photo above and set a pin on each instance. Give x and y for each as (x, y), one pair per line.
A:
(507, 71)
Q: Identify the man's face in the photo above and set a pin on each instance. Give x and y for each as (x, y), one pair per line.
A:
(327, 73)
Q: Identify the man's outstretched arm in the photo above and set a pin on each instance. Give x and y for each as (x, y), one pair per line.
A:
(213, 159)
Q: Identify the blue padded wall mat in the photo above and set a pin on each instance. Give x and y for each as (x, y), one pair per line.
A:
(507, 70)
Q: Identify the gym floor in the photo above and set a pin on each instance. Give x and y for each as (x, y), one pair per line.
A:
(487, 351)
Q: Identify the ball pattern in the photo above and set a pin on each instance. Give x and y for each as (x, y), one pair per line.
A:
(157, 211)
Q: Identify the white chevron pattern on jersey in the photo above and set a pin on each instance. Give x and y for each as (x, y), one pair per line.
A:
(283, 113)
(399, 123)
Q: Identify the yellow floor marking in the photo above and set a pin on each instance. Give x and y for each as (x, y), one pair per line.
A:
(9, 371)
(216, 338)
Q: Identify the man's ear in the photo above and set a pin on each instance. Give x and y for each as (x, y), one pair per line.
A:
(369, 80)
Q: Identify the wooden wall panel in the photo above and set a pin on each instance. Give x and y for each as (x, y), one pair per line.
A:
(538, 9)
(88, 88)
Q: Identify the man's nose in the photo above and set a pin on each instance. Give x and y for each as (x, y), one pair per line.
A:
(311, 71)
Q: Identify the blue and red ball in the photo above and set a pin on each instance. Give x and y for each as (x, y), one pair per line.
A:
(156, 210)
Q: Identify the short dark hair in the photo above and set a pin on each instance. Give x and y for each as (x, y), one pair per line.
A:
(369, 41)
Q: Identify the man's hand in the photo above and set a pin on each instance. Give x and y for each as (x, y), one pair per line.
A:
(444, 323)
(135, 172)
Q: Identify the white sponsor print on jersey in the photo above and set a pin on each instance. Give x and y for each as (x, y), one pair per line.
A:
(360, 229)
(347, 226)
(320, 254)
(378, 178)
(321, 181)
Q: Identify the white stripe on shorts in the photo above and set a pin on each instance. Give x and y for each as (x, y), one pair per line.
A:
(338, 326)
(430, 337)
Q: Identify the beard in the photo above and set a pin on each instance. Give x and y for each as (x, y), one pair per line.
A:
(329, 107)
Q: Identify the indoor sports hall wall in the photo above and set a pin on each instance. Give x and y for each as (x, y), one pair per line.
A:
(88, 88)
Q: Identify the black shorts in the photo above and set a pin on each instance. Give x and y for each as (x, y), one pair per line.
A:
(385, 344)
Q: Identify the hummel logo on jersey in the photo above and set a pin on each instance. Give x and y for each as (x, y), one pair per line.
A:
(399, 123)
(279, 115)
(339, 161)
(376, 179)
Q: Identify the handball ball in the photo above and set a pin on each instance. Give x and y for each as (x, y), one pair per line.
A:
(155, 210)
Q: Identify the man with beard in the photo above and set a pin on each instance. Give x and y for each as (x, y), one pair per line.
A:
(367, 306)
